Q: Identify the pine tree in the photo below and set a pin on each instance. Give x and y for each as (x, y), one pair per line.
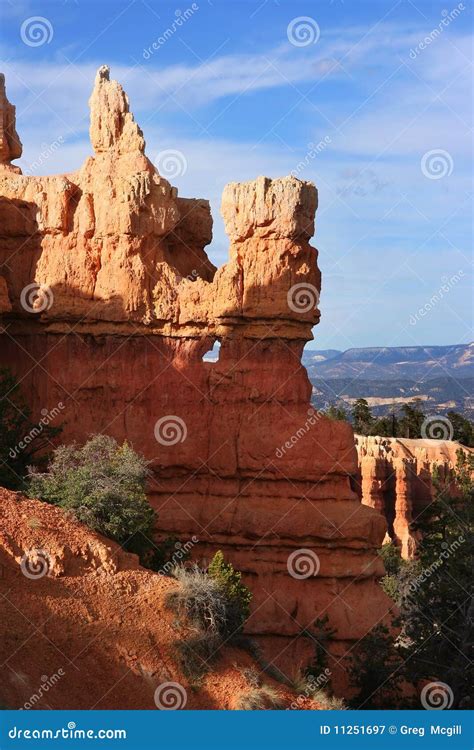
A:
(362, 417)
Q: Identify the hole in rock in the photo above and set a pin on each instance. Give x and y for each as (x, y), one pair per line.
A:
(212, 355)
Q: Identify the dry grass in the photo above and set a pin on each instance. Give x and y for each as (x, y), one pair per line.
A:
(262, 698)
(199, 600)
(328, 702)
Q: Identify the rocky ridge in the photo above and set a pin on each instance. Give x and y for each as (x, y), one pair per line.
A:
(109, 304)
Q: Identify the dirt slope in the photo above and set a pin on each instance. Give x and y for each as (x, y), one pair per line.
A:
(83, 626)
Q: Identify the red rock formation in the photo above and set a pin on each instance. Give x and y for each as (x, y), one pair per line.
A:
(122, 304)
(10, 144)
(395, 478)
(84, 626)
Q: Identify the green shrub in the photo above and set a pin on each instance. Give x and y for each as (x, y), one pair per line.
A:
(376, 671)
(103, 485)
(391, 558)
(321, 634)
(435, 595)
(213, 605)
(201, 604)
(258, 699)
(236, 594)
(20, 438)
(336, 413)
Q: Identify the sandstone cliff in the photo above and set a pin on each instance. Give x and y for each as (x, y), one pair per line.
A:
(395, 478)
(110, 304)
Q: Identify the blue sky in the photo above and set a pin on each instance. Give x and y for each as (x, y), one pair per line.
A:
(239, 94)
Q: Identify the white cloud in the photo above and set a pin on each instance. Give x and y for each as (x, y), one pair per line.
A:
(376, 207)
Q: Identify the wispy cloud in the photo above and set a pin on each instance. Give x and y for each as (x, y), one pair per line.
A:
(382, 109)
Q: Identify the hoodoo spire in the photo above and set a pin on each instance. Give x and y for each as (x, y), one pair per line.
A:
(10, 144)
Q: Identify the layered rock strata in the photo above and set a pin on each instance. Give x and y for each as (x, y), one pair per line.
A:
(395, 478)
(110, 303)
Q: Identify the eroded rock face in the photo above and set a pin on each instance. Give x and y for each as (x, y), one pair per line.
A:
(123, 303)
(10, 144)
(395, 478)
